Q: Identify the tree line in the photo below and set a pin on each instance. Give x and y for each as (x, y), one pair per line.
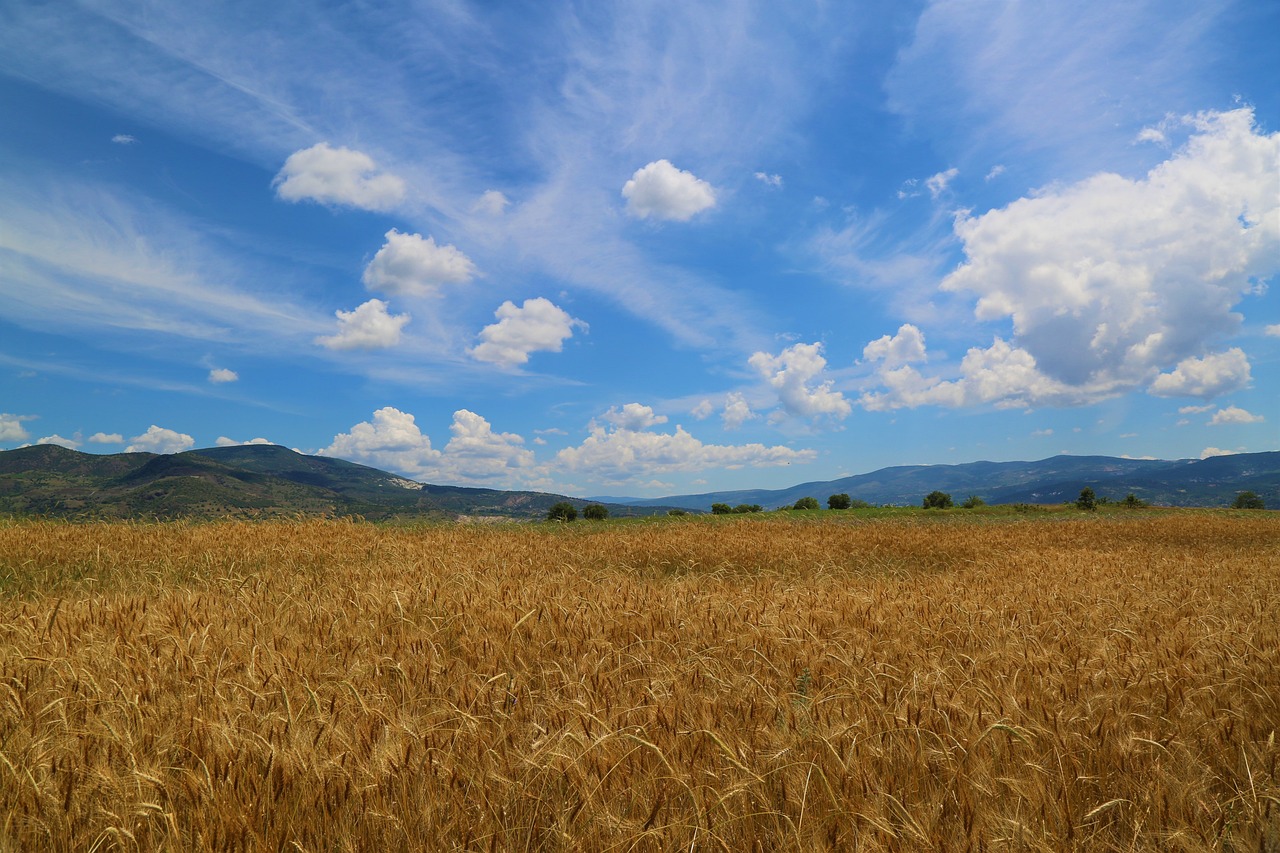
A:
(937, 499)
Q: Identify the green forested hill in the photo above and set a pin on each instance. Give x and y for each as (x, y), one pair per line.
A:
(254, 481)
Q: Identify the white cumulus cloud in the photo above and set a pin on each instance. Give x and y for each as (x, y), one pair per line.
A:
(1001, 374)
(619, 455)
(1273, 330)
(475, 452)
(106, 438)
(220, 375)
(1234, 415)
(70, 443)
(123, 139)
(223, 441)
(536, 326)
(337, 176)
(633, 416)
(160, 440)
(905, 347)
(369, 326)
(795, 375)
(662, 191)
(11, 428)
(1216, 451)
(409, 265)
(737, 411)
(1112, 279)
(769, 180)
(1207, 377)
(393, 441)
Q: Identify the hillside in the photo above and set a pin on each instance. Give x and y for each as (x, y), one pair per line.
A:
(272, 481)
(1184, 482)
(256, 480)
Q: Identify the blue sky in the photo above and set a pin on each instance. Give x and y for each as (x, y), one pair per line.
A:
(642, 249)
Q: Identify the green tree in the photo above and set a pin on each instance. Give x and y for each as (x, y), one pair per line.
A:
(806, 503)
(1087, 500)
(1132, 501)
(839, 502)
(562, 511)
(721, 509)
(676, 512)
(859, 504)
(1248, 500)
(595, 512)
(973, 502)
(745, 508)
(937, 500)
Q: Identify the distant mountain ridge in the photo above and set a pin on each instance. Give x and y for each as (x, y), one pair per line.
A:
(1182, 482)
(273, 481)
(246, 480)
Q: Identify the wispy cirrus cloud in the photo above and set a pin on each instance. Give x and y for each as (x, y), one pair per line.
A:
(630, 75)
(95, 257)
(1059, 80)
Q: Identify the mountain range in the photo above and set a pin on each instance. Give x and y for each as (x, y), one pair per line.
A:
(270, 481)
(1184, 482)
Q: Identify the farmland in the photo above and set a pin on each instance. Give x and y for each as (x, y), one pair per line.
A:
(904, 681)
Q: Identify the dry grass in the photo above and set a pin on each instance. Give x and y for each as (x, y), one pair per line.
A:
(743, 684)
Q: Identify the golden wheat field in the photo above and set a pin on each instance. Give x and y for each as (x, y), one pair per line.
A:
(938, 681)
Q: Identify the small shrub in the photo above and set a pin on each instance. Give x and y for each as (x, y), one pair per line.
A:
(595, 512)
(937, 500)
(1132, 501)
(676, 512)
(973, 502)
(1248, 500)
(745, 508)
(721, 509)
(562, 511)
(806, 503)
(839, 502)
(1087, 499)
